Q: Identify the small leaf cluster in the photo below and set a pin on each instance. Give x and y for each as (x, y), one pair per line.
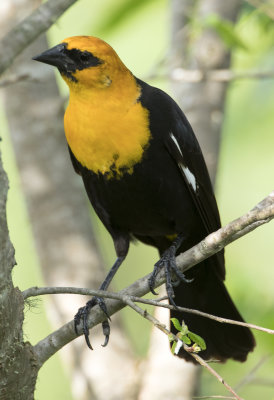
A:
(187, 337)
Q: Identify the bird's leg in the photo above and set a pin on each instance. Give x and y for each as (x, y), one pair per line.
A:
(167, 261)
(83, 312)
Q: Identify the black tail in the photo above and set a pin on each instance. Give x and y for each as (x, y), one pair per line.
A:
(208, 293)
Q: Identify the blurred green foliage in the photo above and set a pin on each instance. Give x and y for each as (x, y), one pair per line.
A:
(139, 32)
(226, 30)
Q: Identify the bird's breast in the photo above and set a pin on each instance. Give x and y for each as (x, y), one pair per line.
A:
(107, 138)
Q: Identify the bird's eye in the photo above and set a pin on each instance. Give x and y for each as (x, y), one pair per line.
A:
(84, 57)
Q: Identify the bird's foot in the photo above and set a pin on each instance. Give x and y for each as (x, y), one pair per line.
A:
(168, 263)
(82, 316)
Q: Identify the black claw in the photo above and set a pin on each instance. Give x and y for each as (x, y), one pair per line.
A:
(106, 332)
(151, 284)
(180, 275)
(85, 325)
(153, 291)
(106, 341)
(172, 302)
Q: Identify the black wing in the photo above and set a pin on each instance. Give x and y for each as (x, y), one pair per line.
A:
(183, 147)
(185, 150)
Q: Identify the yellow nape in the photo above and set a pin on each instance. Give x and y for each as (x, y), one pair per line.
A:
(106, 127)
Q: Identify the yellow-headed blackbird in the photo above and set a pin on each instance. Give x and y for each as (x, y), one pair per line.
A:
(146, 178)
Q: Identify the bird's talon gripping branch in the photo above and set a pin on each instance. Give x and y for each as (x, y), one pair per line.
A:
(168, 263)
(82, 315)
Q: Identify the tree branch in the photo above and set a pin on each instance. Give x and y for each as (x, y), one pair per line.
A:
(260, 214)
(40, 291)
(15, 41)
(217, 75)
(15, 354)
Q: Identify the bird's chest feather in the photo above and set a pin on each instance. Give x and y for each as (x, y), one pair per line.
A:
(107, 137)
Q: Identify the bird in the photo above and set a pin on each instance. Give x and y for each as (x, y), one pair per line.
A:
(146, 178)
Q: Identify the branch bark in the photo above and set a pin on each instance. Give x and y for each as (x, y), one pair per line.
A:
(260, 214)
(216, 75)
(40, 291)
(16, 40)
(15, 354)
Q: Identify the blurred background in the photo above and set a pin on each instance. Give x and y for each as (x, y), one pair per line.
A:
(61, 243)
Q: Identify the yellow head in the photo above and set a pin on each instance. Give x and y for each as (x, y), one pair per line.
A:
(106, 126)
(85, 61)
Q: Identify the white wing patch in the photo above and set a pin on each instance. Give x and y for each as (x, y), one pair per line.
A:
(186, 171)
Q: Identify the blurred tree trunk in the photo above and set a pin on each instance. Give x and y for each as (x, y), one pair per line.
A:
(60, 218)
(203, 103)
(15, 354)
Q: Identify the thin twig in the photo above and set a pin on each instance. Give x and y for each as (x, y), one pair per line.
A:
(36, 291)
(261, 214)
(163, 328)
(16, 40)
(217, 75)
(202, 314)
(213, 75)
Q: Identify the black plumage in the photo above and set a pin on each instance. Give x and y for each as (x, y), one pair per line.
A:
(168, 193)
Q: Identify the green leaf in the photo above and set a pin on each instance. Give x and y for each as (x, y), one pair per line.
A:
(197, 339)
(176, 324)
(184, 328)
(226, 31)
(184, 338)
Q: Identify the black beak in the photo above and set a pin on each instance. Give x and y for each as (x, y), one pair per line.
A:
(56, 56)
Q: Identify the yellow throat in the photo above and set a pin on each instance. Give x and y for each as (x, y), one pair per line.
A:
(106, 127)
